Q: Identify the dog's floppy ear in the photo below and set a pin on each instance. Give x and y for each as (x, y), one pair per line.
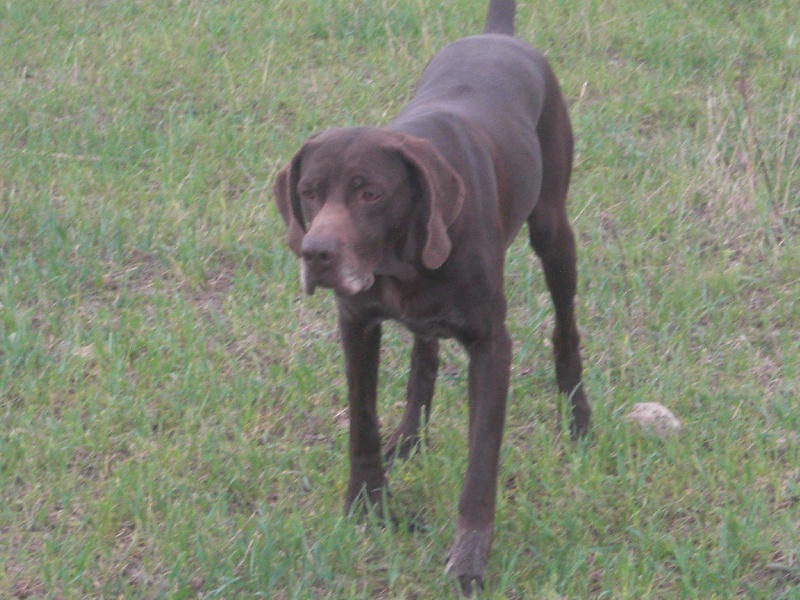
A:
(443, 193)
(284, 189)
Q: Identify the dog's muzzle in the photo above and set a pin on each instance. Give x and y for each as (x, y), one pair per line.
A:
(323, 264)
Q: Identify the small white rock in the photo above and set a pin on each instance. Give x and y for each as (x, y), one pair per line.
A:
(654, 417)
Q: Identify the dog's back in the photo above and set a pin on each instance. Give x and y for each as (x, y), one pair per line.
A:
(494, 86)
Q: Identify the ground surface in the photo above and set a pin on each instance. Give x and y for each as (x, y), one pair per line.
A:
(172, 421)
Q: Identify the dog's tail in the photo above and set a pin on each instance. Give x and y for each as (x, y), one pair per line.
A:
(500, 18)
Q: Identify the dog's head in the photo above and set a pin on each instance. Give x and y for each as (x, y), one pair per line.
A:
(356, 202)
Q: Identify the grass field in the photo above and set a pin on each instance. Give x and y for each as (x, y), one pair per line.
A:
(172, 418)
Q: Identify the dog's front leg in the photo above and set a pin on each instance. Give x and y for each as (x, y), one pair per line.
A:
(361, 341)
(489, 364)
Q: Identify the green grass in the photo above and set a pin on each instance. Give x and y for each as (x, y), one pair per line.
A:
(172, 418)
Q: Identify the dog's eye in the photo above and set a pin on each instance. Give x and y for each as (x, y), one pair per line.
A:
(308, 195)
(367, 195)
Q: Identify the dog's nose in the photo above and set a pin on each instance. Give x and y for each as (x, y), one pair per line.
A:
(319, 253)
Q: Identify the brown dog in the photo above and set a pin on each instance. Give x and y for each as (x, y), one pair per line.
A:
(412, 221)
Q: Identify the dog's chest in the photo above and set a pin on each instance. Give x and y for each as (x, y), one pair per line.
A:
(429, 313)
(448, 326)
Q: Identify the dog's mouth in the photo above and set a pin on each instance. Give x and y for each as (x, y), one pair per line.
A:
(346, 282)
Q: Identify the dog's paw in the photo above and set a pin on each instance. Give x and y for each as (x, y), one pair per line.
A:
(467, 586)
(400, 447)
(466, 562)
(579, 428)
(362, 500)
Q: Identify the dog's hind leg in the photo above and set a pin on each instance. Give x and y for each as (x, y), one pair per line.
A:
(559, 263)
(552, 238)
(419, 393)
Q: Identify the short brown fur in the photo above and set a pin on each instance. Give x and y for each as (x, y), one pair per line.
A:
(411, 222)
